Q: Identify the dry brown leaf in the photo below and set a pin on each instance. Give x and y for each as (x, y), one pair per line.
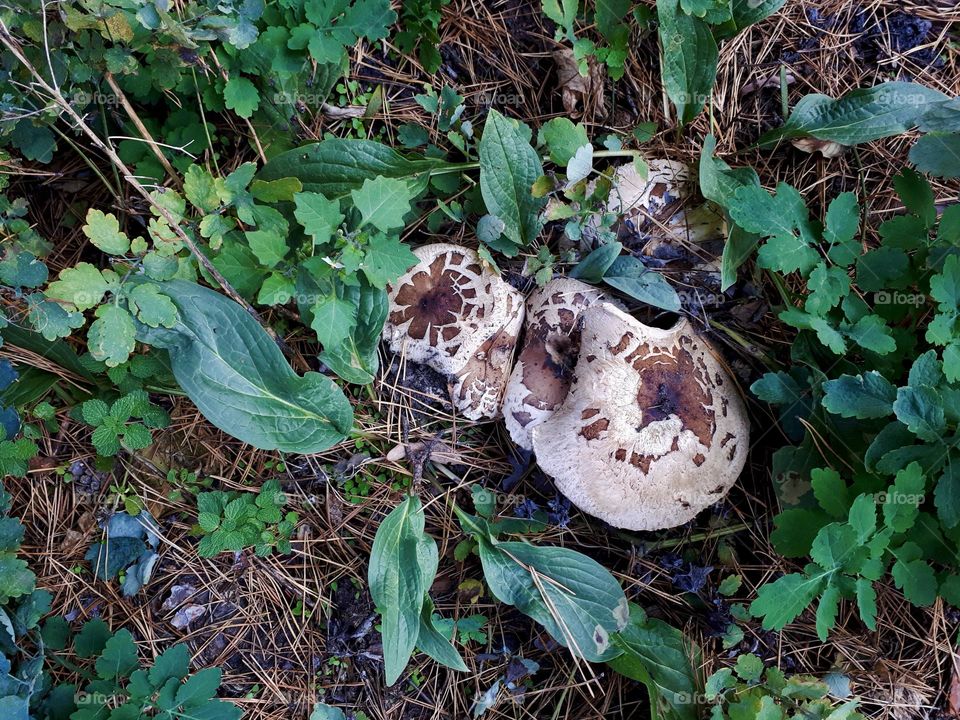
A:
(577, 92)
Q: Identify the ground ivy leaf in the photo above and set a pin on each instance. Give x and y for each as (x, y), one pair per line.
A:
(111, 336)
(383, 202)
(104, 232)
(865, 396)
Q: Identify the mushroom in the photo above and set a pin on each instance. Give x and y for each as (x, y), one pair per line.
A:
(541, 376)
(652, 431)
(460, 318)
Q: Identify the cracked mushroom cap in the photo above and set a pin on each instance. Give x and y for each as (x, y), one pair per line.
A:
(460, 318)
(541, 376)
(653, 430)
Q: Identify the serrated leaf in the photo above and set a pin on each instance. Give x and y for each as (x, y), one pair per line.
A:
(111, 337)
(921, 410)
(383, 202)
(780, 602)
(241, 96)
(82, 286)
(937, 154)
(689, 64)
(319, 217)
(386, 259)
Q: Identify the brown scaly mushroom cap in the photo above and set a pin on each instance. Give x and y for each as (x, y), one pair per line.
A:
(541, 376)
(461, 319)
(653, 430)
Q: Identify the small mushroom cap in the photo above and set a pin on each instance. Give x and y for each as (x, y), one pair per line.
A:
(541, 376)
(652, 431)
(455, 315)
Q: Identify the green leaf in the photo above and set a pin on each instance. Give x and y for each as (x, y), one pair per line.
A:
(937, 154)
(104, 232)
(921, 410)
(111, 337)
(386, 259)
(689, 65)
(508, 169)
(398, 583)
(273, 191)
(335, 167)
(593, 267)
(914, 577)
(748, 12)
(174, 662)
(902, 502)
(241, 96)
(946, 496)
(322, 711)
(830, 491)
(862, 115)
(119, 657)
(199, 688)
(82, 286)
(780, 602)
(152, 307)
(917, 195)
(749, 667)
(18, 580)
(238, 378)
(865, 396)
(200, 189)
(575, 598)
(663, 659)
(269, 246)
(563, 138)
(383, 202)
(319, 217)
(334, 318)
(433, 643)
(92, 638)
(826, 287)
(783, 219)
(629, 275)
(867, 603)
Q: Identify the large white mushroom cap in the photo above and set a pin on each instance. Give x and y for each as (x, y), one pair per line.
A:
(541, 377)
(452, 313)
(653, 429)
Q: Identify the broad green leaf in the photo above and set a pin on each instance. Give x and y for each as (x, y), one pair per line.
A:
(947, 494)
(663, 659)
(152, 307)
(241, 96)
(748, 12)
(508, 169)
(239, 379)
(862, 115)
(386, 259)
(917, 195)
(105, 234)
(865, 396)
(563, 138)
(867, 603)
(200, 189)
(336, 166)
(592, 268)
(921, 410)
(902, 502)
(914, 576)
(783, 219)
(433, 643)
(575, 598)
(629, 275)
(689, 64)
(119, 657)
(383, 202)
(269, 246)
(199, 688)
(398, 583)
(830, 491)
(320, 218)
(937, 154)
